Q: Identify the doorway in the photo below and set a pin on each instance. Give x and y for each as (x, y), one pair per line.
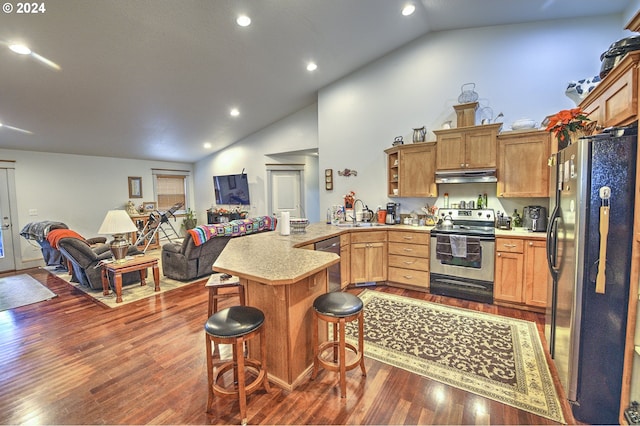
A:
(286, 189)
(7, 252)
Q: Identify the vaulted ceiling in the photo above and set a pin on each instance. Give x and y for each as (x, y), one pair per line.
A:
(157, 79)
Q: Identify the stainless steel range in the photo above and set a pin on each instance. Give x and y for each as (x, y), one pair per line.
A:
(462, 254)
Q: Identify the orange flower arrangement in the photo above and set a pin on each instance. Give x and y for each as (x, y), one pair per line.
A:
(565, 121)
(349, 199)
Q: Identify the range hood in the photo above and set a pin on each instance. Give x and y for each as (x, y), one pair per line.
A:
(467, 176)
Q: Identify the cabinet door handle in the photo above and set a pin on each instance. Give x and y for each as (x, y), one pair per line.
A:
(499, 254)
(530, 243)
(509, 245)
(409, 277)
(408, 237)
(406, 262)
(408, 249)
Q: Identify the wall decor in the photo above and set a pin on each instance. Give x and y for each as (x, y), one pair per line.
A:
(328, 179)
(149, 206)
(348, 172)
(135, 187)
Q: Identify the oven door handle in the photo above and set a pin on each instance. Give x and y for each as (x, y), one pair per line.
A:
(480, 237)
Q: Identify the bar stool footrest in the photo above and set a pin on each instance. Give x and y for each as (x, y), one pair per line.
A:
(250, 364)
(335, 366)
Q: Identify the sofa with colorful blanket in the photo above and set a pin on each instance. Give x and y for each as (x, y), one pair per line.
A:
(194, 257)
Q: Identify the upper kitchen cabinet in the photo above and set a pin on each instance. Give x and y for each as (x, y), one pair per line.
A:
(614, 101)
(522, 164)
(471, 147)
(411, 170)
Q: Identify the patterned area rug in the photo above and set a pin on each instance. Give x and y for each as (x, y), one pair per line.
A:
(21, 290)
(131, 292)
(496, 357)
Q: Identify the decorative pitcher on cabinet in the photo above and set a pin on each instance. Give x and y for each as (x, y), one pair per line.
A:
(419, 134)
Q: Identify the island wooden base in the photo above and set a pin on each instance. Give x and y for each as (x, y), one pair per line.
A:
(288, 322)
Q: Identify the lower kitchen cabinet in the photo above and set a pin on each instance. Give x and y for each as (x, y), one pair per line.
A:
(345, 260)
(368, 256)
(521, 273)
(408, 259)
(507, 286)
(536, 273)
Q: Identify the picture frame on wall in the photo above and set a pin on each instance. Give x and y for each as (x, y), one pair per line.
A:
(149, 206)
(135, 187)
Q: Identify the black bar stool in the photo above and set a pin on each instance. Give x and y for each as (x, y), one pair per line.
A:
(338, 309)
(235, 326)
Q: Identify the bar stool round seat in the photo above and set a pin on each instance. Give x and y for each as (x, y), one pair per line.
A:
(338, 309)
(235, 326)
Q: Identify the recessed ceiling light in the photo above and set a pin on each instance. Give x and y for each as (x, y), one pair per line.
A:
(311, 66)
(17, 129)
(243, 21)
(234, 112)
(207, 145)
(20, 49)
(408, 9)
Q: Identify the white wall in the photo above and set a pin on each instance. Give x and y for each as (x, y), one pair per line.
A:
(74, 189)
(279, 143)
(520, 70)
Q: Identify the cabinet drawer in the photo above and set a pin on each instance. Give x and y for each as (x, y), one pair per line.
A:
(417, 250)
(408, 262)
(368, 237)
(510, 245)
(408, 276)
(409, 237)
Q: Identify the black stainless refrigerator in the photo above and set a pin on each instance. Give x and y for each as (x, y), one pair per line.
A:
(591, 220)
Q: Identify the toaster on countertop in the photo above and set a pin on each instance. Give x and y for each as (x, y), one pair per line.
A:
(503, 222)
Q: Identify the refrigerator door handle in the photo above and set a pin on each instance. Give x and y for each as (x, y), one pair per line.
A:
(552, 244)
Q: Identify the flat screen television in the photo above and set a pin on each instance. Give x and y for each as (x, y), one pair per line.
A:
(232, 189)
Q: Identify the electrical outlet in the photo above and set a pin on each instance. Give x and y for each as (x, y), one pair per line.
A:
(33, 212)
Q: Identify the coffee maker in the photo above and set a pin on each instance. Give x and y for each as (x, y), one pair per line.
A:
(393, 213)
(534, 218)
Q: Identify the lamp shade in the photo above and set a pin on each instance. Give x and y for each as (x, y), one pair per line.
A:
(117, 222)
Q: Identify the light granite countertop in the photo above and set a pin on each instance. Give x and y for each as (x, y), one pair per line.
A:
(275, 259)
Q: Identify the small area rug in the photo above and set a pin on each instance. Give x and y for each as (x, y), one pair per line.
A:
(21, 290)
(492, 356)
(132, 292)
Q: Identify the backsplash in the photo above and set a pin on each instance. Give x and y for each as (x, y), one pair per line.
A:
(469, 192)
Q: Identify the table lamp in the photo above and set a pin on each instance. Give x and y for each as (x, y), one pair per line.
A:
(118, 223)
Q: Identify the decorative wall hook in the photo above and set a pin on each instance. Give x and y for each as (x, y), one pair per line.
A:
(347, 172)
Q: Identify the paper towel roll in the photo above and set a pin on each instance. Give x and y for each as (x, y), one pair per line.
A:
(285, 224)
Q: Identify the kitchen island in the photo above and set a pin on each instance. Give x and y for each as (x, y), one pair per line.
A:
(282, 281)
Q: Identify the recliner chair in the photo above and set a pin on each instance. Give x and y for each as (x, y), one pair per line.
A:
(86, 260)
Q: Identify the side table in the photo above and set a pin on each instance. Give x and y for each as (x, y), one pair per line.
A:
(136, 264)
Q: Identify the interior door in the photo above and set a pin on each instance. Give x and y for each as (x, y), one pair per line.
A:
(285, 191)
(7, 258)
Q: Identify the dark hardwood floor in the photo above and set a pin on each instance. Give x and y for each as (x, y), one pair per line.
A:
(72, 361)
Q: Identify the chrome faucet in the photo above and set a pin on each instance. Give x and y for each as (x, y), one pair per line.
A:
(354, 209)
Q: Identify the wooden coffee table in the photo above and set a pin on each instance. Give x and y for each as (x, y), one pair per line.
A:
(136, 264)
